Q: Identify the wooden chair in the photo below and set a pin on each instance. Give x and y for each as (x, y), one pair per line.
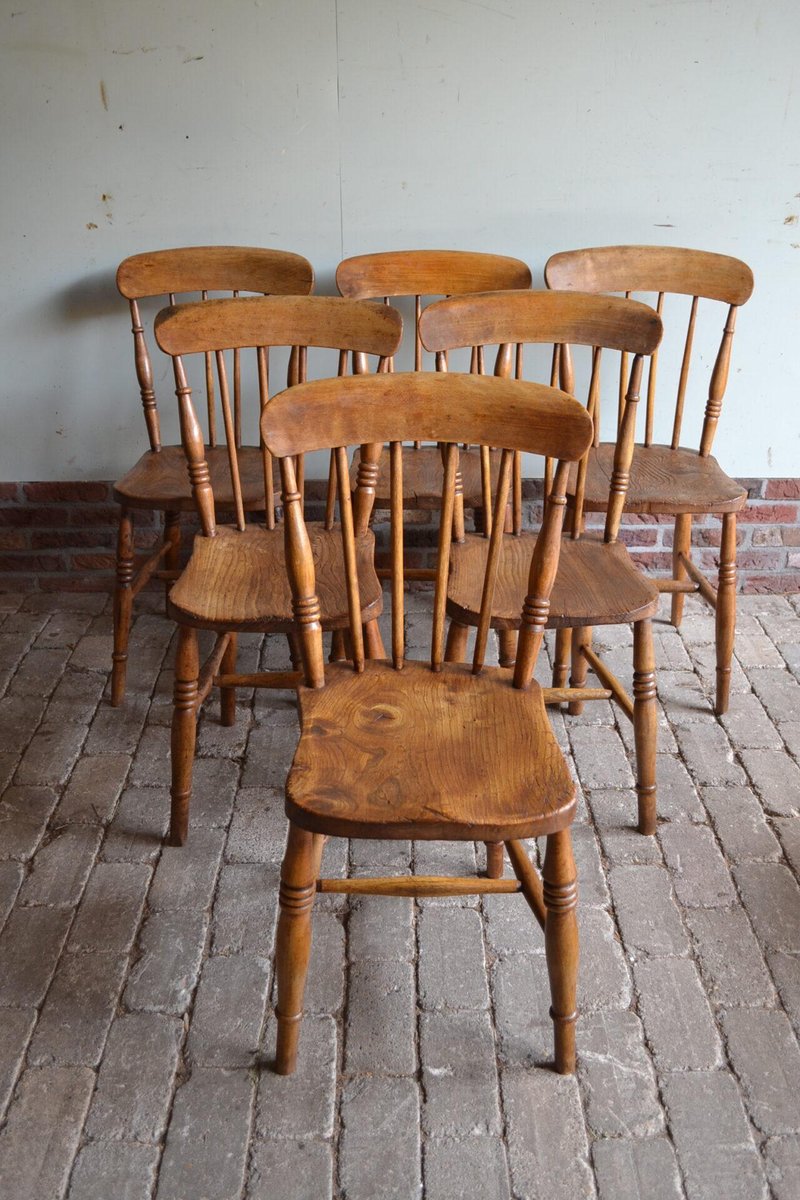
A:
(597, 581)
(236, 577)
(159, 481)
(673, 479)
(407, 749)
(426, 273)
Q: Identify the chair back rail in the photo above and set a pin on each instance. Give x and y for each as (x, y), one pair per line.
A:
(564, 319)
(443, 408)
(214, 327)
(199, 270)
(661, 271)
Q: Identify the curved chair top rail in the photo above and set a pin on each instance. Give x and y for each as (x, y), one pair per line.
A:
(479, 409)
(494, 318)
(428, 273)
(252, 321)
(214, 269)
(651, 269)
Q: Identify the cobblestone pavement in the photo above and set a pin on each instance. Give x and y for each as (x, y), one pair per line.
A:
(135, 981)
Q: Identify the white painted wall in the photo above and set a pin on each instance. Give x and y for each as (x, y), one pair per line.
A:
(333, 127)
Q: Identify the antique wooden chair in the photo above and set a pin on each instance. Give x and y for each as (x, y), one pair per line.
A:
(159, 481)
(428, 273)
(597, 582)
(236, 577)
(672, 479)
(427, 750)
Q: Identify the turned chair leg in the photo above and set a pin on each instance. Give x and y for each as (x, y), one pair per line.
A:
(560, 888)
(645, 723)
(561, 657)
(726, 612)
(293, 946)
(508, 646)
(295, 653)
(494, 860)
(582, 636)
(455, 649)
(123, 603)
(373, 642)
(184, 731)
(681, 544)
(227, 698)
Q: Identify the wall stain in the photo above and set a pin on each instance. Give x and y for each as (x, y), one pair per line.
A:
(104, 95)
(791, 220)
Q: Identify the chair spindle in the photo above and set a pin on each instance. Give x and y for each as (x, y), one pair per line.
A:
(228, 421)
(396, 517)
(443, 555)
(349, 549)
(492, 560)
(652, 372)
(684, 376)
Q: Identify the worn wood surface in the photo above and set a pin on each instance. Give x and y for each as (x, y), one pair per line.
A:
(662, 480)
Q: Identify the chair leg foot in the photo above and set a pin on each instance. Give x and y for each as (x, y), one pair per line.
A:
(123, 605)
(645, 723)
(508, 646)
(494, 860)
(726, 612)
(456, 646)
(581, 637)
(184, 732)
(293, 945)
(227, 699)
(561, 657)
(561, 945)
(681, 543)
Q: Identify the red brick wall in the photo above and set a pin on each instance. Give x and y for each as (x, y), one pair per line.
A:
(61, 536)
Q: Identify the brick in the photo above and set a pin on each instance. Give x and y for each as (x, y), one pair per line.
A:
(136, 1077)
(16, 1028)
(63, 630)
(772, 899)
(708, 755)
(739, 822)
(41, 1135)
(603, 978)
(617, 1077)
(759, 513)
(510, 926)
(459, 1075)
(789, 832)
(270, 749)
(615, 813)
(78, 1011)
(19, 716)
(630, 1169)
(186, 875)
(117, 730)
(228, 1012)
(381, 1018)
(786, 973)
(647, 915)
(445, 858)
(140, 823)
(777, 489)
(209, 1131)
(94, 788)
(593, 888)
(213, 790)
(451, 967)
(547, 1147)
(29, 948)
(783, 1167)
(521, 993)
(39, 672)
(300, 1105)
(165, 974)
(790, 732)
(10, 881)
(51, 754)
(381, 927)
(228, 741)
(293, 1170)
(380, 1148)
(778, 691)
(61, 867)
(730, 960)
(71, 491)
(126, 1170)
(599, 757)
(748, 726)
(776, 778)
(683, 698)
(19, 833)
(111, 908)
(76, 697)
(764, 1054)
(699, 874)
(677, 1020)
(258, 829)
(325, 982)
(452, 1167)
(151, 762)
(245, 909)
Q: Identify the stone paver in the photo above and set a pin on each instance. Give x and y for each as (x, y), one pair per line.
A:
(137, 980)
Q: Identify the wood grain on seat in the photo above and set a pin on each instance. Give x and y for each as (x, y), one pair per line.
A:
(423, 474)
(160, 479)
(662, 480)
(418, 754)
(237, 580)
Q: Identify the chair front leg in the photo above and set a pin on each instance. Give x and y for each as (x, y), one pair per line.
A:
(507, 639)
(645, 723)
(581, 636)
(184, 731)
(561, 657)
(681, 544)
(123, 604)
(455, 650)
(561, 944)
(373, 642)
(726, 612)
(293, 945)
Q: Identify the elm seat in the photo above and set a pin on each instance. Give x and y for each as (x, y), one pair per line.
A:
(237, 580)
(662, 480)
(160, 479)
(379, 751)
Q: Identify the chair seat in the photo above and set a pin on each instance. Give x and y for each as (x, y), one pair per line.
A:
(160, 480)
(418, 754)
(238, 581)
(662, 481)
(597, 583)
(423, 476)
